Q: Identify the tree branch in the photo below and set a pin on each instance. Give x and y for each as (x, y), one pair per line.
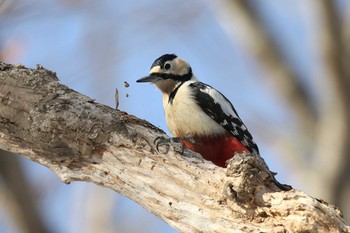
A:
(81, 140)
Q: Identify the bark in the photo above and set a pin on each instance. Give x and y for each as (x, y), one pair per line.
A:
(81, 140)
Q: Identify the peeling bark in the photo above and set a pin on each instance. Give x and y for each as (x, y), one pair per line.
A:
(81, 140)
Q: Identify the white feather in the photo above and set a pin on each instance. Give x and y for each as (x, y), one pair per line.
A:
(184, 116)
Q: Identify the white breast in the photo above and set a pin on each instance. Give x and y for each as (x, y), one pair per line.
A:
(184, 116)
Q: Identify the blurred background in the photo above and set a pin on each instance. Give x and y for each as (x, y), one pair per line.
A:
(285, 65)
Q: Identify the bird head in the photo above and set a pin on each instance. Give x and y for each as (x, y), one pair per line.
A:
(167, 72)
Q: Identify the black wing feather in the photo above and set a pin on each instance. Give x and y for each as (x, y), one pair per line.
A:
(232, 124)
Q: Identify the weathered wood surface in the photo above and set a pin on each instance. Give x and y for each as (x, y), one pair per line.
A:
(81, 140)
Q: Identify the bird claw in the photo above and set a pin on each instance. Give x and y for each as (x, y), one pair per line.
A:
(174, 141)
(160, 141)
(163, 141)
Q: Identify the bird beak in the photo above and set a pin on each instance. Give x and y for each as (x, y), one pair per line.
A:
(149, 78)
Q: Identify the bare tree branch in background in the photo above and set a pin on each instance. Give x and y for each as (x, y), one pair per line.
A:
(342, 187)
(330, 163)
(97, 211)
(84, 141)
(23, 207)
(242, 23)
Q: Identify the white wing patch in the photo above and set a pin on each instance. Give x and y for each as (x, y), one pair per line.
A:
(219, 99)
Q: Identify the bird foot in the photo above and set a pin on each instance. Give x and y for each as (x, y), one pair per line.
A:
(174, 141)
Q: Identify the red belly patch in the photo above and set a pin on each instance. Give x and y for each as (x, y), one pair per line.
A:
(217, 149)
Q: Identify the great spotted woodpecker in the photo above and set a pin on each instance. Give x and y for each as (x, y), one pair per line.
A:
(197, 110)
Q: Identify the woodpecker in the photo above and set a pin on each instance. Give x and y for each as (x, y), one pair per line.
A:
(197, 111)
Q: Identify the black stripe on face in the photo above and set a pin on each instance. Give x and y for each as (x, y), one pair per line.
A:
(180, 78)
(185, 77)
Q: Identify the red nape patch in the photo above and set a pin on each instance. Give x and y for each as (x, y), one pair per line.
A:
(217, 149)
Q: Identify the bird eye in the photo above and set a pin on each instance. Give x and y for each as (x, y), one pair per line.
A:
(167, 66)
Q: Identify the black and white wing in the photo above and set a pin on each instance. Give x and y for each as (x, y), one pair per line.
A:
(220, 109)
